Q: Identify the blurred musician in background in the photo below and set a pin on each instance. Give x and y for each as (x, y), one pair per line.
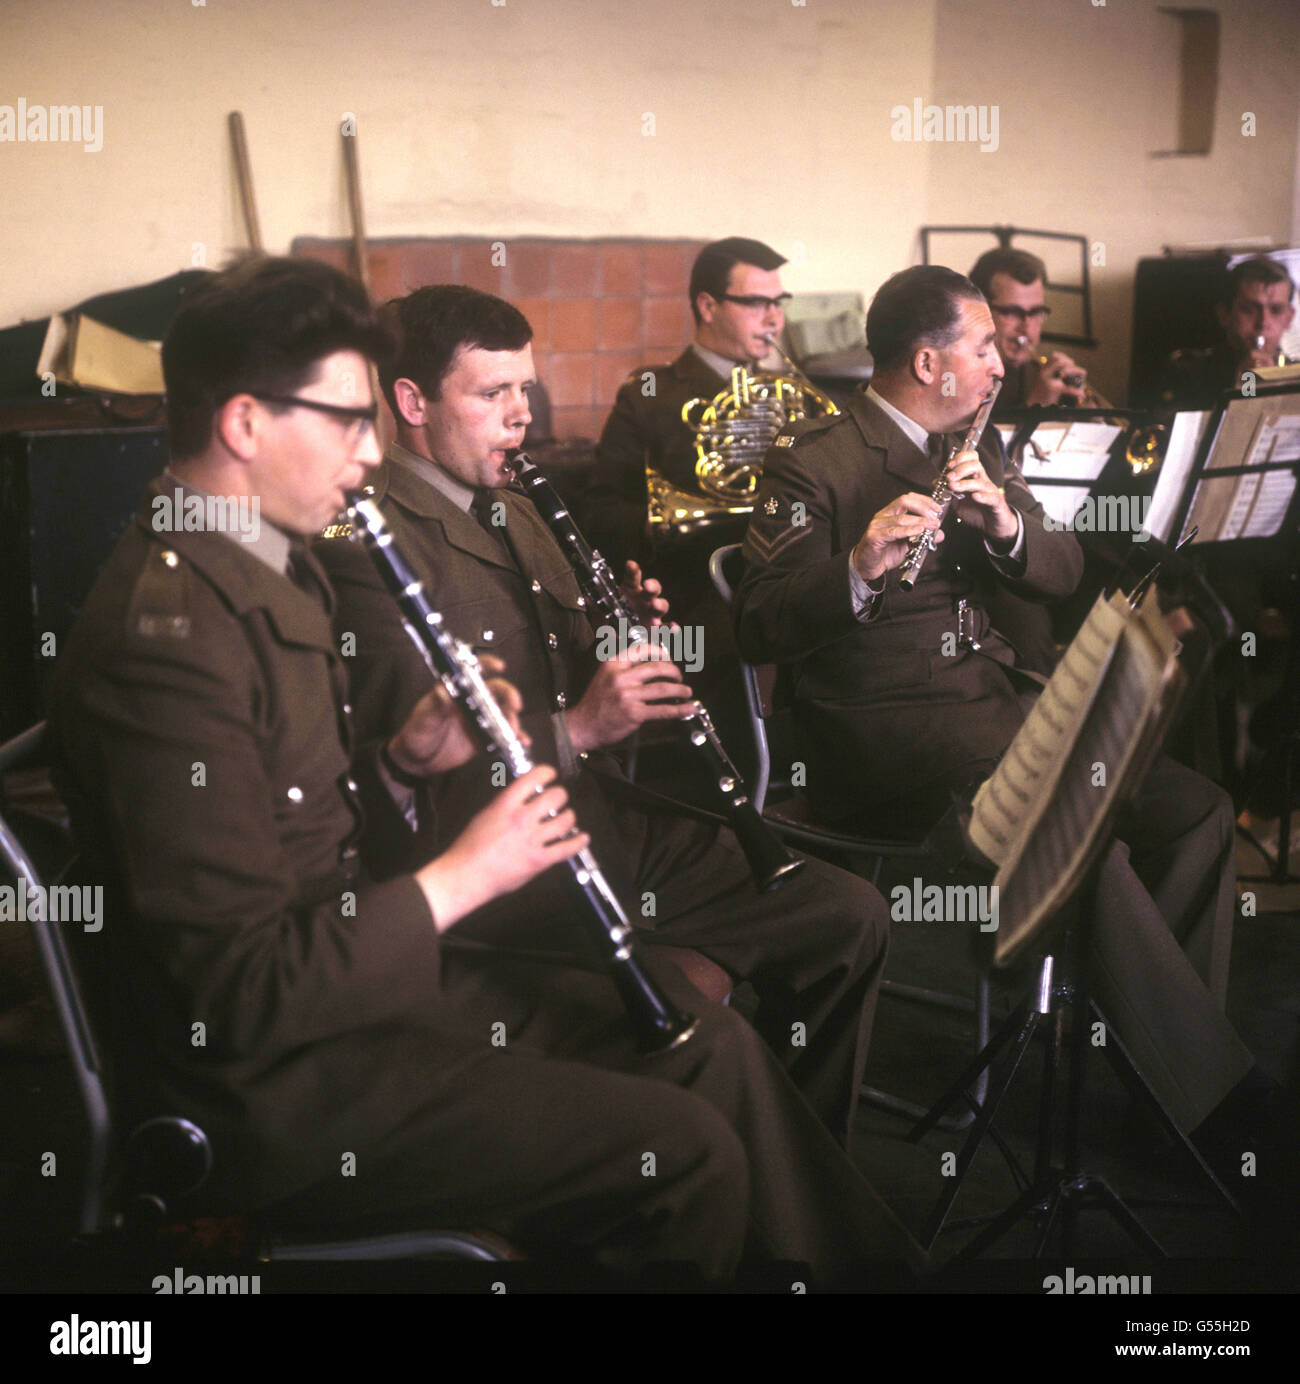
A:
(249, 838)
(1254, 311)
(1013, 282)
(895, 718)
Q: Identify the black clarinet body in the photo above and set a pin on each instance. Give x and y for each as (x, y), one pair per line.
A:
(659, 1024)
(770, 862)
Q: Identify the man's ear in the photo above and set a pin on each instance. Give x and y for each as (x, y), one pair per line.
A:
(707, 306)
(925, 364)
(1224, 315)
(238, 425)
(410, 399)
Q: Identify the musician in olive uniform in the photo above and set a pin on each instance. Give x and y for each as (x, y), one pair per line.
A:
(738, 303)
(905, 697)
(1014, 283)
(345, 1056)
(1254, 311)
(813, 949)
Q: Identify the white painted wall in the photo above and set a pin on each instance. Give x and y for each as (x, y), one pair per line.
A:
(771, 118)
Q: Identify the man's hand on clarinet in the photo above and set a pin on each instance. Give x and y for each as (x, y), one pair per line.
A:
(523, 831)
(645, 597)
(638, 686)
(434, 738)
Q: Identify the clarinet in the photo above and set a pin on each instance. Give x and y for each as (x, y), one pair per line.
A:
(769, 860)
(659, 1024)
(919, 548)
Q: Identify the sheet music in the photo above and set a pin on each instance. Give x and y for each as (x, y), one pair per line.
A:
(1277, 440)
(1049, 867)
(1184, 438)
(1068, 451)
(1036, 755)
(1063, 815)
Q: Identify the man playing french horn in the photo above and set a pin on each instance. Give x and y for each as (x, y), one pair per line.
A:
(737, 302)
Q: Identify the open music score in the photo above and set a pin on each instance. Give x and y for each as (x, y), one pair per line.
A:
(1042, 813)
(1061, 461)
(1240, 467)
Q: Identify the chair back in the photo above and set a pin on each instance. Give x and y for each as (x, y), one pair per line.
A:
(758, 680)
(22, 752)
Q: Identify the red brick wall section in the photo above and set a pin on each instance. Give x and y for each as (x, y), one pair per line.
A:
(598, 308)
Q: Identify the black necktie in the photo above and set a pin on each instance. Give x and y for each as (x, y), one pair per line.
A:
(303, 573)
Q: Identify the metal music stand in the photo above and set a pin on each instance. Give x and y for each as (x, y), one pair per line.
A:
(1059, 1191)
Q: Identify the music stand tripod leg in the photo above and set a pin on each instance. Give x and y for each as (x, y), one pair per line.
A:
(1030, 1017)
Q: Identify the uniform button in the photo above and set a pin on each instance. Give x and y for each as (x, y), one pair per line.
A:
(347, 708)
(352, 785)
(560, 702)
(537, 586)
(170, 558)
(957, 519)
(294, 795)
(552, 641)
(957, 568)
(582, 600)
(348, 853)
(488, 636)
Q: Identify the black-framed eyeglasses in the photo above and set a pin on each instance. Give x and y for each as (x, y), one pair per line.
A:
(754, 301)
(353, 416)
(1022, 315)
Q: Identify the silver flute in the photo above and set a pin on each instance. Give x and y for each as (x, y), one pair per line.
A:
(920, 547)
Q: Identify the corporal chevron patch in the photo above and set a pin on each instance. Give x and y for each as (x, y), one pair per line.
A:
(760, 546)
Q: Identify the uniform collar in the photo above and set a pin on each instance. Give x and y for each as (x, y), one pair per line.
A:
(904, 456)
(271, 544)
(245, 580)
(460, 494)
(428, 493)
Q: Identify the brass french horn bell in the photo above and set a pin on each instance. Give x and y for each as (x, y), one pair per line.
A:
(731, 433)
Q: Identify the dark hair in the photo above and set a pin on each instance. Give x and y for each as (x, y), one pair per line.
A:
(1259, 269)
(917, 307)
(1023, 267)
(711, 271)
(434, 322)
(261, 325)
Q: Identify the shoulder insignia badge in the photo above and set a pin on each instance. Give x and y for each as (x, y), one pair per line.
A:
(771, 506)
(785, 440)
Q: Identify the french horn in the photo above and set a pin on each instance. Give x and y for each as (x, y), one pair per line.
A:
(731, 433)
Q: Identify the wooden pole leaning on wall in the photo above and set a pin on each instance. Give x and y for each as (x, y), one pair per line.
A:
(244, 176)
(353, 171)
